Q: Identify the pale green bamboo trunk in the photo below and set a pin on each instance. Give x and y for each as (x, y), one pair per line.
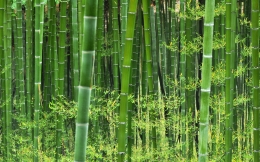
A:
(86, 76)
(206, 79)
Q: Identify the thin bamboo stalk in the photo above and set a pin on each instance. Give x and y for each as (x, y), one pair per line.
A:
(75, 48)
(228, 108)
(39, 12)
(126, 67)
(8, 75)
(61, 75)
(148, 58)
(255, 72)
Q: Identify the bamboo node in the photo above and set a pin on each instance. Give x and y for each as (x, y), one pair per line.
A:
(204, 123)
(208, 24)
(203, 154)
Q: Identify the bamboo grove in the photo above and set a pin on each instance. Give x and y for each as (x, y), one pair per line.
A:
(137, 80)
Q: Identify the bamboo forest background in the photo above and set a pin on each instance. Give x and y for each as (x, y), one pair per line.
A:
(168, 85)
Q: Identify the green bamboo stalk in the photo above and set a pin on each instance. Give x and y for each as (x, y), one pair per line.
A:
(29, 63)
(115, 53)
(80, 25)
(115, 46)
(47, 61)
(2, 17)
(143, 75)
(159, 26)
(130, 111)
(37, 85)
(147, 35)
(46, 80)
(137, 76)
(8, 75)
(233, 68)
(154, 53)
(163, 53)
(123, 13)
(182, 77)
(75, 48)
(53, 50)
(189, 92)
(109, 20)
(171, 135)
(86, 75)
(125, 79)
(61, 75)
(132, 88)
(83, 5)
(255, 73)
(54, 53)
(215, 88)
(222, 60)
(20, 58)
(168, 30)
(15, 65)
(99, 64)
(228, 108)
(173, 36)
(206, 79)
(144, 88)
(100, 42)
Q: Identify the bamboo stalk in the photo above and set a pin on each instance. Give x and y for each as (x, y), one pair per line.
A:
(86, 77)
(206, 79)
(255, 72)
(126, 67)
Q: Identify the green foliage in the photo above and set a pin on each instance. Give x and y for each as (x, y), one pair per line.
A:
(102, 141)
(198, 11)
(103, 145)
(195, 46)
(218, 74)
